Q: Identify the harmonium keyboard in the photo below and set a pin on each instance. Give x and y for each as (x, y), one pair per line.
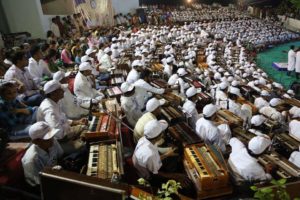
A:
(225, 116)
(103, 126)
(285, 144)
(171, 114)
(105, 161)
(159, 83)
(117, 80)
(285, 169)
(114, 91)
(242, 101)
(183, 134)
(207, 169)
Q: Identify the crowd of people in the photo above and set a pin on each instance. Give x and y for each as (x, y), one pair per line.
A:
(38, 100)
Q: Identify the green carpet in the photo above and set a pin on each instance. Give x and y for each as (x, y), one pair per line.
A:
(276, 54)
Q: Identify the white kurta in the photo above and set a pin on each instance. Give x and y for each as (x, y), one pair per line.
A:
(131, 109)
(190, 108)
(132, 76)
(297, 65)
(291, 60)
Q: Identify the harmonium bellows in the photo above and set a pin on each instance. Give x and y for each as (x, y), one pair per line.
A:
(105, 160)
(103, 126)
(228, 117)
(113, 91)
(206, 167)
(171, 114)
(159, 83)
(183, 133)
(285, 169)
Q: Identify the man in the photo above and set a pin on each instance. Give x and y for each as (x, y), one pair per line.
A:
(153, 112)
(294, 125)
(29, 93)
(38, 71)
(69, 103)
(105, 61)
(190, 106)
(233, 106)
(168, 67)
(221, 95)
(134, 73)
(129, 104)
(291, 60)
(271, 112)
(45, 151)
(50, 112)
(83, 87)
(297, 64)
(207, 130)
(262, 101)
(54, 28)
(243, 165)
(148, 161)
(181, 82)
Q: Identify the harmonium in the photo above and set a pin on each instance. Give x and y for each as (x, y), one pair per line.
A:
(159, 83)
(242, 101)
(113, 91)
(156, 67)
(292, 101)
(103, 126)
(105, 160)
(117, 80)
(243, 135)
(183, 134)
(171, 114)
(248, 92)
(207, 169)
(172, 98)
(120, 72)
(111, 105)
(286, 169)
(285, 144)
(227, 117)
(194, 82)
(203, 99)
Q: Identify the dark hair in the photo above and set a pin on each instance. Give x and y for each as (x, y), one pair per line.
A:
(17, 56)
(51, 53)
(34, 49)
(292, 46)
(145, 73)
(44, 47)
(49, 33)
(4, 86)
(232, 96)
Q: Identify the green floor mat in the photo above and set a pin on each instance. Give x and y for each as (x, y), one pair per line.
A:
(276, 54)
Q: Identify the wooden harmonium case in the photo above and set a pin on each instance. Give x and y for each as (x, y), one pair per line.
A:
(156, 67)
(159, 83)
(117, 80)
(183, 134)
(247, 91)
(225, 116)
(194, 82)
(285, 144)
(292, 101)
(113, 91)
(103, 126)
(243, 135)
(285, 169)
(171, 98)
(206, 167)
(120, 72)
(171, 114)
(105, 160)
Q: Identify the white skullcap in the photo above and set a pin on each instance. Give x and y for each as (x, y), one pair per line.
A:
(217, 76)
(265, 93)
(89, 51)
(191, 92)
(291, 92)
(181, 72)
(223, 85)
(278, 85)
(152, 104)
(169, 59)
(180, 63)
(295, 112)
(136, 63)
(234, 90)
(230, 79)
(209, 110)
(85, 58)
(107, 50)
(198, 71)
(154, 128)
(206, 73)
(258, 120)
(258, 144)
(275, 102)
(51, 86)
(236, 144)
(41, 130)
(114, 39)
(235, 83)
(59, 75)
(85, 66)
(262, 81)
(126, 87)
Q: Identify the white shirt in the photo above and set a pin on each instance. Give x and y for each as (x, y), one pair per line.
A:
(146, 158)
(234, 107)
(190, 108)
(35, 159)
(221, 99)
(83, 88)
(51, 112)
(132, 76)
(106, 62)
(168, 69)
(291, 60)
(142, 89)
(54, 28)
(209, 132)
(297, 65)
(183, 86)
(38, 70)
(294, 127)
(131, 109)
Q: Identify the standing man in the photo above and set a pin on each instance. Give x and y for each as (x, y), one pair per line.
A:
(291, 60)
(297, 65)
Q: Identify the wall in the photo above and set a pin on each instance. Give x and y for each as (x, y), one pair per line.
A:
(290, 23)
(125, 6)
(58, 7)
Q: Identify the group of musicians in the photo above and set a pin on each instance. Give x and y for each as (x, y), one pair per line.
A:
(191, 65)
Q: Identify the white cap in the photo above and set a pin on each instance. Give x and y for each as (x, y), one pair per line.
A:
(191, 92)
(291, 92)
(217, 76)
(223, 85)
(59, 75)
(258, 120)
(265, 93)
(278, 85)
(236, 144)
(169, 59)
(136, 63)
(209, 110)
(258, 144)
(152, 104)
(234, 90)
(295, 112)
(275, 102)
(181, 72)
(153, 128)
(107, 50)
(41, 130)
(85, 58)
(89, 51)
(114, 39)
(51, 86)
(85, 66)
(235, 83)
(126, 87)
